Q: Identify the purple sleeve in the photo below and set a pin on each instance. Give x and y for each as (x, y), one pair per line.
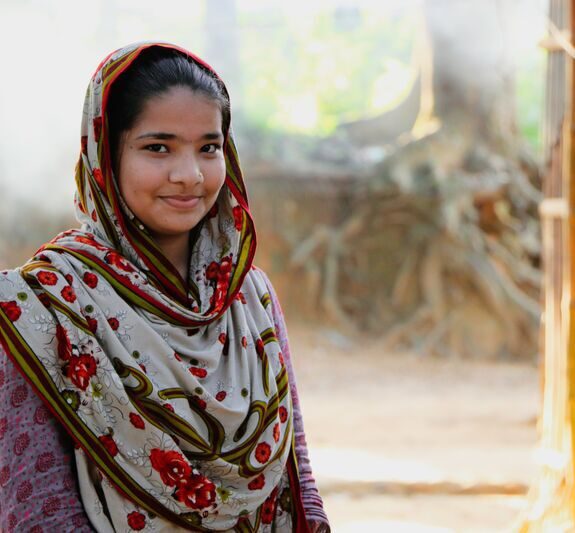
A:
(38, 487)
(312, 501)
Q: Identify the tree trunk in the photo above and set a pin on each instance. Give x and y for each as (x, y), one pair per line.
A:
(473, 75)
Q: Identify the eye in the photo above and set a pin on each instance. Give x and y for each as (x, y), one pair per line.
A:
(156, 148)
(211, 148)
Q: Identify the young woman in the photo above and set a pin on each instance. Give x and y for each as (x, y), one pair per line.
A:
(145, 377)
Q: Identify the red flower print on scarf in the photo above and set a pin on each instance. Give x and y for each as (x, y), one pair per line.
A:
(244, 342)
(109, 444)
(80, 369)
(283, 413)
(47, 278)
(45, 299)
(63, 342)
(136, 521)
(171, 465)
(221, 396)
(94, 216)
(277, 432)
(218, 298)
(222, 338)
(198, 372)
(241, 297)
(137, 421)
(201, 403)
(97, 124)
(257, 483)
(268, 508)
(89, 240)
(226, 266)
(69, 278)
(196, 492)
(212, 271)
(238, 217)
(12, 310)
(221, 275)
(263, 452)
(92, 324)
(84, 144)
(91, 280)
(260, 348)
(115, 259)
(97, 174)
(114, 323)
(68, 294)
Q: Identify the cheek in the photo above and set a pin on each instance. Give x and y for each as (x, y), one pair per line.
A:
(132, 185)
(218, 177)
(127, 189)
(138, 174)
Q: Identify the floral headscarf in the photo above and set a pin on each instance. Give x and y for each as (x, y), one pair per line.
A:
(175, 392)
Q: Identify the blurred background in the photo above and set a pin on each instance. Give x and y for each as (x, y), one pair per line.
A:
(393, 152)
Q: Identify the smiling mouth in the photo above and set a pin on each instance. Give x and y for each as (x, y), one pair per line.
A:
(181, 202)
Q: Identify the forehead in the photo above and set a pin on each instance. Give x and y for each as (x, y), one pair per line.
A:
(180, 108)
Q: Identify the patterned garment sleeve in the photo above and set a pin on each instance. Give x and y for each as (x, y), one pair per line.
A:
(38, 487)
(312, 501)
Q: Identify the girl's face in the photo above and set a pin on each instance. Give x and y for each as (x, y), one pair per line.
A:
(171, 163)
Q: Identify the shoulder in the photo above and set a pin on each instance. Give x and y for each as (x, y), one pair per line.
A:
(260, 278)
(9, 276)
(264, 288)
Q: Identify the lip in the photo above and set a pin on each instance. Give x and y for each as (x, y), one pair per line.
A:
(181, 201)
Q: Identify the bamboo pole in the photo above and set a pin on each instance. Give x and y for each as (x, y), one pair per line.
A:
(551, 502)
(569, 262)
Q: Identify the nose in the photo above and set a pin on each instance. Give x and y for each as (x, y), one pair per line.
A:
(186, 169)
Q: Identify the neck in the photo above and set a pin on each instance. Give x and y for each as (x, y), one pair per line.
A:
(176, 250)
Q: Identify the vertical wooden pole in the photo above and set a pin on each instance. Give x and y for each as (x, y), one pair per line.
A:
(551, 505)
(569, 249)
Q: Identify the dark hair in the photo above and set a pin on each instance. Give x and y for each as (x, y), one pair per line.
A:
(153, 72)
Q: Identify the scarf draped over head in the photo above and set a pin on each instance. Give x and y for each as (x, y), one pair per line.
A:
(174, 391)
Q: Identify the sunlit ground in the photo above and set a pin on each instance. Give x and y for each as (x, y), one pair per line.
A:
(403, 443)
(422, 514)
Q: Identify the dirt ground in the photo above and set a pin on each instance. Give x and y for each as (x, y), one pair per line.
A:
(402, 443)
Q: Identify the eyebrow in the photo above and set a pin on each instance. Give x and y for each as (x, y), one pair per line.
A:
(171, 136)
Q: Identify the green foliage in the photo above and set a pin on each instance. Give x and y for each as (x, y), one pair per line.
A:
(530, 89)
(309, 75)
